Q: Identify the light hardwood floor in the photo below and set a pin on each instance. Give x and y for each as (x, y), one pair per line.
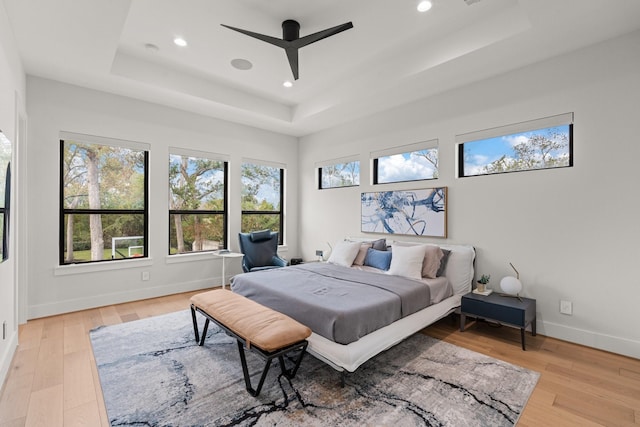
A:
(53, 379)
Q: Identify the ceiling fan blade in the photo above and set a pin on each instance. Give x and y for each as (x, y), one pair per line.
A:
(271, 40)
(292, 56)
(312, 38)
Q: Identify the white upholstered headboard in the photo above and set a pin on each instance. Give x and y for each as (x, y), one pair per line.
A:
(460, 266)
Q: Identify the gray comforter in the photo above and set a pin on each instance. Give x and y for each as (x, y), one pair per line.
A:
(339, 303)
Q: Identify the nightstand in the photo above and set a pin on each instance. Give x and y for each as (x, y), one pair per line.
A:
(503, 309)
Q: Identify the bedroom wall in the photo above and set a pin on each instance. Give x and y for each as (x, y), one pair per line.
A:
(55, 107)
(12, 95)
(572, 233)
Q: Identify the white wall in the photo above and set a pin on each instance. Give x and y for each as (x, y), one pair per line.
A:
(573, 233)
(12, 95)
(55, 107)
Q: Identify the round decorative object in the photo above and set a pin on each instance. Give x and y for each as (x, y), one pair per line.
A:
(511, 285)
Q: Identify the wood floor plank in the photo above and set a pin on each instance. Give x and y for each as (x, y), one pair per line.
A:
(102, 410)
(49, 371)
(53, 327)
(45, 408)
(628, 373)
(78, 379)
(110, 315)
(14, 423)
(76, 338)
(593, 409)
(613, 386)
(15, 398)
(83, 415)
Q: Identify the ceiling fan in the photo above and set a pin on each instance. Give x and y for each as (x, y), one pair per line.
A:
(291, 40)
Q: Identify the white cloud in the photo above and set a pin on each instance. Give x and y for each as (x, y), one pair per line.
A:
(397, 168)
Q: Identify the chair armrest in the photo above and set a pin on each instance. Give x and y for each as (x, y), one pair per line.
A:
(276, 260)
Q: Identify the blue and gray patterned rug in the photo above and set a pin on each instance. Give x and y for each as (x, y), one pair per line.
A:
(154, 374)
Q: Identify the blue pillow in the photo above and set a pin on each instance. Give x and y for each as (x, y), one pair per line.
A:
(378, 259)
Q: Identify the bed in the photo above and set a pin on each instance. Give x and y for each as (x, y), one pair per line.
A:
(369, 325)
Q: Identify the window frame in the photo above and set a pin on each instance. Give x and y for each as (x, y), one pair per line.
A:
(432, 144)
(542, 124)
(280, 212)
(93, 140)
(334, 162)
(225, 212)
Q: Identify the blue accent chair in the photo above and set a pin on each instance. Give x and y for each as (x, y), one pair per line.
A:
(260, 249)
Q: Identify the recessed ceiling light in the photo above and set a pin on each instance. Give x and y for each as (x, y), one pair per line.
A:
(241, 64)
(151, 47)
(180, 41)
(287, 84)
(423, 6)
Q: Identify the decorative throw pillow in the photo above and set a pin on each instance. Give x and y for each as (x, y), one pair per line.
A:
(378, 259)
(443, 262)
(380, 244)
(362, 253)
(432, 256)
(407, 261)
(344, 253)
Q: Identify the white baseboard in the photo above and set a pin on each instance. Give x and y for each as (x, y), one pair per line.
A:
(7, 358)
(614, 344)
(67, 306)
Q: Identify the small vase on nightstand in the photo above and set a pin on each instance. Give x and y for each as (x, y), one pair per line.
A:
(481, 287)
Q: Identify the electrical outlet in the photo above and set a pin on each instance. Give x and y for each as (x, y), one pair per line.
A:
(145, 275)
(566, 307)
(319, 252)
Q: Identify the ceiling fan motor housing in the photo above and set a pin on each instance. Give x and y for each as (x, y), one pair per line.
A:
(290, 30)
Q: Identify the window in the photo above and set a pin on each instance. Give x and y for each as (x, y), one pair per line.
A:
(339, 173)
(537, 144)
(5, 194)
(262, 197)
(413, 162)
(198, 202)
(103, 190)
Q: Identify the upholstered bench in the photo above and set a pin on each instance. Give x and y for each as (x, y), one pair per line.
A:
(263, 331)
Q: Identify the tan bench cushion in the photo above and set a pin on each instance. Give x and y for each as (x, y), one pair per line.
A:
(256, 324)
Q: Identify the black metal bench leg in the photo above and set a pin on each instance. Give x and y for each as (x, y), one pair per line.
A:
(195, 323)
(245, 371)
(204, 332)
(291, 373)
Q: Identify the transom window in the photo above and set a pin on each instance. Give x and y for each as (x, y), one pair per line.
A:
(262, 197)
(198, 202)
(103, 191)
(339, 173)
(537, 144)
(415, 162)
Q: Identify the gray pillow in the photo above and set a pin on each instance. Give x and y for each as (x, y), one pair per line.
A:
(443, 262)
(380, 244)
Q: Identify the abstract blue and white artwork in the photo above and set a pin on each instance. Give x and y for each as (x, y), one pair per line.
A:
(414, 212)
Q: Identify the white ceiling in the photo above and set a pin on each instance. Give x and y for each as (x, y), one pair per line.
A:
(392, 56)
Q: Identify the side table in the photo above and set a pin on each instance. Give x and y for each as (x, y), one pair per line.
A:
(224, 256)
(518, 312)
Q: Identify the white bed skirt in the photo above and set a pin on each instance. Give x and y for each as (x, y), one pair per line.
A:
(349, 357)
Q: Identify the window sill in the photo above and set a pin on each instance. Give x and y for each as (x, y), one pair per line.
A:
(204, 256)
(65, 270)
(198, 256)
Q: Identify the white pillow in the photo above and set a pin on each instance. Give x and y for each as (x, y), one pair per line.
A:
(407, 261)
(344, 253)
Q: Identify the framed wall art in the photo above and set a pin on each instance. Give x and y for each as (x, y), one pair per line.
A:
(420, 212)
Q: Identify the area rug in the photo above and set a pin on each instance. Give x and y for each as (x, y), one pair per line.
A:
(153, 373)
